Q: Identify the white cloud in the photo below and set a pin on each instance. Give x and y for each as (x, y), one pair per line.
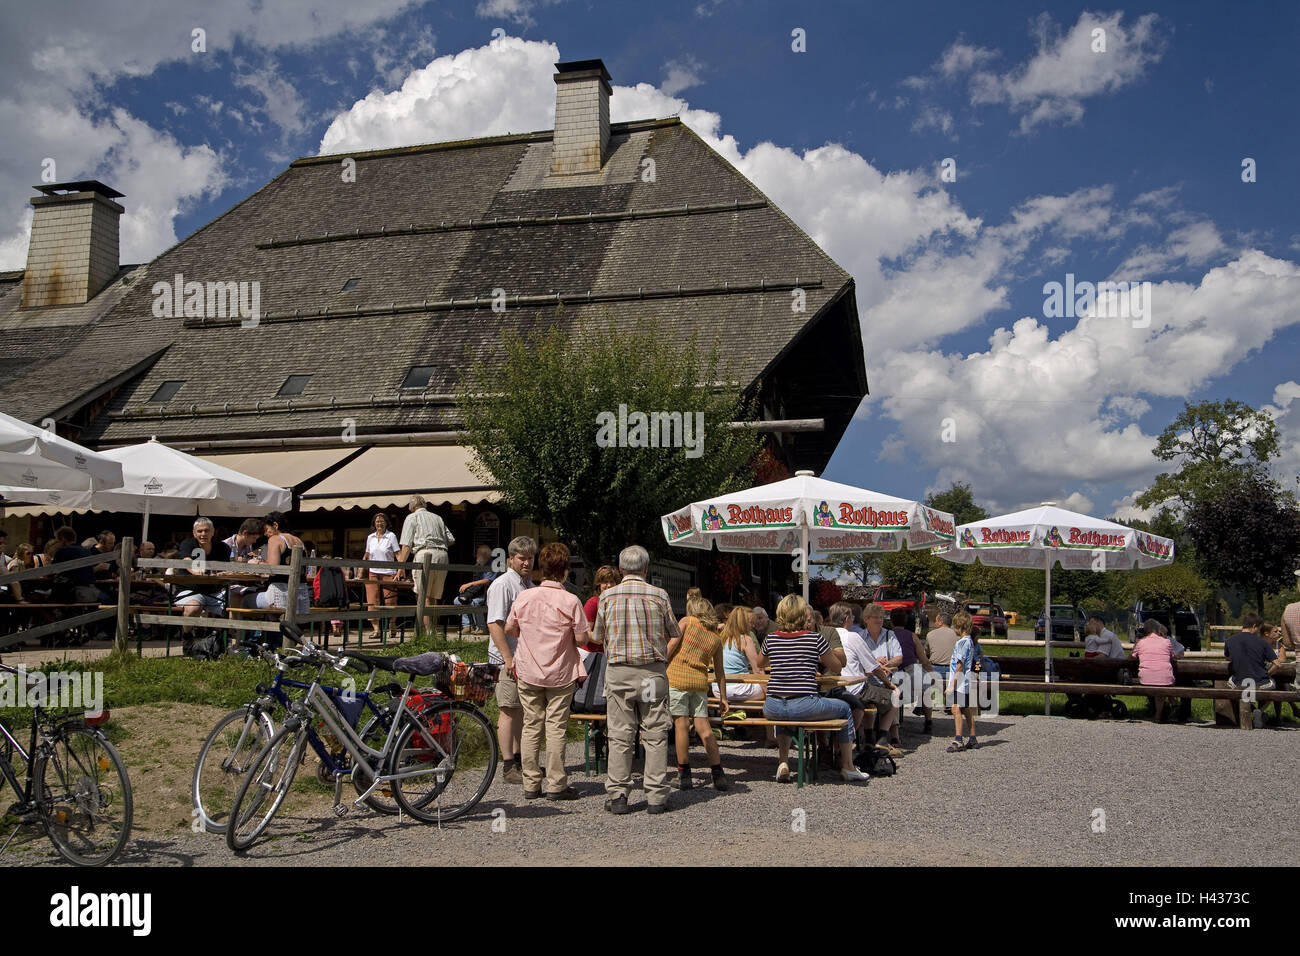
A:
(281, 103)
(1068, 68)
(963, 57)
(932, 117)
(681, 75)
(1192, 245)
(516, 11)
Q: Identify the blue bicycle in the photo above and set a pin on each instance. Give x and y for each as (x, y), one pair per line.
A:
(241, 735)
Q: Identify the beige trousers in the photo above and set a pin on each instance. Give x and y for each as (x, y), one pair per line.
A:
(546, 710)
(637, 696)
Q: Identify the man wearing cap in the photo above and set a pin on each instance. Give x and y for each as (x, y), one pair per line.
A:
(424, 532)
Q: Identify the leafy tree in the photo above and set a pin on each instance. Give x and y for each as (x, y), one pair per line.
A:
(997, 583)
(859, 566)
(915, 571)
(1247, 535)
(539, 424)
(1212, 441)
(958, 502)
(1171, 584)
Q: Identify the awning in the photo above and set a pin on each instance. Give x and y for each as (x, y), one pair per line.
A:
(387, 476)
(288, 469)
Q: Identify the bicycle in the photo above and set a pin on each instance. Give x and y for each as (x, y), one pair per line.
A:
(76, 787)
(238, 737)
(438, 756)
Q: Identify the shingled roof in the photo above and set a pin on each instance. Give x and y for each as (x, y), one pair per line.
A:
(430, 233)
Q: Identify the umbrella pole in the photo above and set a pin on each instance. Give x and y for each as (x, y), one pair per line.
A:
(1047, 632)
(803, 543)
(144, 531)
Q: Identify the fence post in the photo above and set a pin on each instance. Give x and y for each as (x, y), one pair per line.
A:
(295, 579)
(426, 561)
(124, 563)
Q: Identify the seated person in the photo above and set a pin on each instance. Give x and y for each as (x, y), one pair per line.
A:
(1252, 662)
(739, 656)
(474, 591)
(1155, 655)
(205, 599)
(1100, 641)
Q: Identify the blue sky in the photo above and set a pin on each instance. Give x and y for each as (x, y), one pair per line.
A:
(1122, 163)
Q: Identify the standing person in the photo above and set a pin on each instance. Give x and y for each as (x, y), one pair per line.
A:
(204, 599)
(606, 577)
(939, 642)
(280, 542)
(1280, 642)
(634, 622)
(424, 531)
(794, 654)
(501, 595)
(474, 592)
(1291, 640)
(961, 684)
(548, 623)
(739, 656)
(381, 545)
(699, 647)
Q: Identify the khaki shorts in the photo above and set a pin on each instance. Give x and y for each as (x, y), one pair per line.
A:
(437, 577)
(687, 703)
(507, 691)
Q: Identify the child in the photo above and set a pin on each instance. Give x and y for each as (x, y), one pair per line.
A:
(961, 683)
(689, 658)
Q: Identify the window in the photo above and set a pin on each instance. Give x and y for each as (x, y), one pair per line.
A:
(293, 385)
(418, 376)
(350, 285)
(167, 390)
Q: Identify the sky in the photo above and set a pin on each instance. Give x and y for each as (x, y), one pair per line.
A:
(956, 158)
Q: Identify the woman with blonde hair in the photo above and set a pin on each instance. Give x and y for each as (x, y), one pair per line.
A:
(794, 654)
(739, 656)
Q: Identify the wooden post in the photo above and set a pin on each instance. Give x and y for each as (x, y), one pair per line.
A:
(426, 561)
(124, 563)
(295, 578)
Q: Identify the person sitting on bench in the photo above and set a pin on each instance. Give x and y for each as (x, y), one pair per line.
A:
(1251, 660)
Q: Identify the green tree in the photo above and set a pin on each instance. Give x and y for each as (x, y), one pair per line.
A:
(861, 567)
(544, 428)
(915, 571)
(958, 502)
(1211, 441)
(996, 583)
(1247, 534)
(1172, 584)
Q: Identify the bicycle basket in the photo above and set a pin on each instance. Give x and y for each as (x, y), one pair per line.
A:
(480, 681)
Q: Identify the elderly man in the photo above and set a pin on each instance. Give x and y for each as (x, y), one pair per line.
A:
(760, 624)
(424, 532)
(883, 646)
(197, 600)
(635, 622)
(501, 596)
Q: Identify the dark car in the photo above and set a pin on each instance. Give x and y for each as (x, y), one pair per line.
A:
(1182, 620)
(986, 616)
(1067, 623)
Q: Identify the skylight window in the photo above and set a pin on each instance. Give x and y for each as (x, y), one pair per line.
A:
(293, 385)
(167, 390)
(418, 376)
(350, 285)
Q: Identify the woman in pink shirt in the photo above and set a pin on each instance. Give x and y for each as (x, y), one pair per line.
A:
(1155, 656)
(550, 624)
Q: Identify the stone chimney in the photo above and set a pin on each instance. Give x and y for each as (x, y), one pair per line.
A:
(582, 92)
(73, 250)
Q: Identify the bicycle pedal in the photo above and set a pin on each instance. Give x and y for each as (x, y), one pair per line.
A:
(341, 809)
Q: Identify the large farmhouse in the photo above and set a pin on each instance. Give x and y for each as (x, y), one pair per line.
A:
(373, 277)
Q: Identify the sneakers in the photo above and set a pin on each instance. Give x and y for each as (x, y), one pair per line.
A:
(719, 780)
(514, 773)
(851, 776)
(617, 806)
(972, 743)
(684, 780)
(657, 808)
(783, 772)
(532, 794)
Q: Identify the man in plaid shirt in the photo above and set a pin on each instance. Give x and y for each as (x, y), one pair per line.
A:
(635, 622)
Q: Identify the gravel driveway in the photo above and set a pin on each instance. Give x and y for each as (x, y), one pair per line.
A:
(1035, 792)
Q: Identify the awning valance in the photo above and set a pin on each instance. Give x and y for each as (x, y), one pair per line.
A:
(388, 476)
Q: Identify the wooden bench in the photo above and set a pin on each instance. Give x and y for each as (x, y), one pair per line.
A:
(806, 742)
(1154, 690)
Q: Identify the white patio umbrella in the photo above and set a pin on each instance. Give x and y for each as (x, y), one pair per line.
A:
(32, 457)
(158, 479)
(807, 513)
(1044, 536)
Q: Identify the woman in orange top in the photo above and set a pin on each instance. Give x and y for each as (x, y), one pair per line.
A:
(690, 657)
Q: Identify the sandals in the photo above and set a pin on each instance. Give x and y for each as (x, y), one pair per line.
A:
(955, 747)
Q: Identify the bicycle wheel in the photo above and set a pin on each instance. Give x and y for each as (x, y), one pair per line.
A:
(459, 745)
(264, 787)
(85, 797)
(373, 735)
(227, 754)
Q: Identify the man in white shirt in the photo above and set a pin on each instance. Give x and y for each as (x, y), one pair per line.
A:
(861, 660)
(501, 596)
(1101, 641)
(423, 532)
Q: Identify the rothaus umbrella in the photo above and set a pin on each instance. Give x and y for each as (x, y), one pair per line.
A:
(803, 515)
(32, 457)
(157, 479)
(1045, 536)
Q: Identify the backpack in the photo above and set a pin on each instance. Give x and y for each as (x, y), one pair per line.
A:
(876, 761)
(590, 697)
(331, 589)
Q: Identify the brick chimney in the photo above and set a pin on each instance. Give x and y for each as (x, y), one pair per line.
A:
(582, 92)
(73, 251)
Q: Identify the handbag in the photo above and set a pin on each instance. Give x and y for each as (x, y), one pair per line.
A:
(882, 697)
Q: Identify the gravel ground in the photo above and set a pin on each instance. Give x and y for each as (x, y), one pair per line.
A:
(1030, 795)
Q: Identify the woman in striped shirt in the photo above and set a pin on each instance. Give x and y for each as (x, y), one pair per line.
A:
(794, 654)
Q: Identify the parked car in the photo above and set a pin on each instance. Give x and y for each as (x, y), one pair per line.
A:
(1182, 620)
(1068, 623)
(890, 597)
(987, 618)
